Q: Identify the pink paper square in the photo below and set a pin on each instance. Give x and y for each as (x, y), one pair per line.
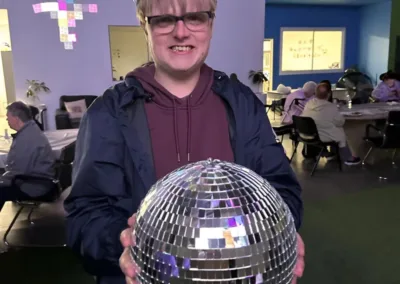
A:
(62, 6)
(37, 8)
(92, 8)
(71, 23)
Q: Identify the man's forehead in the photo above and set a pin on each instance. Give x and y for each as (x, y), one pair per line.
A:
(176, 7)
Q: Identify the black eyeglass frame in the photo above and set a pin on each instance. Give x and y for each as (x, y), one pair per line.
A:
(211, 16)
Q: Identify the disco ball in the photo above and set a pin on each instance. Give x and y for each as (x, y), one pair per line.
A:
(214, 222)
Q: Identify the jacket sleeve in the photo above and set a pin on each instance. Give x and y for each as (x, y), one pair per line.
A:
(99, 203)
(270, 159)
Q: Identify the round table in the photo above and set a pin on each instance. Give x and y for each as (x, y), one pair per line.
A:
(358, 117)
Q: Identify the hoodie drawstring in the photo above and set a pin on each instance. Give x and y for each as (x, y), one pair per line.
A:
(176, 132)
(189, 130)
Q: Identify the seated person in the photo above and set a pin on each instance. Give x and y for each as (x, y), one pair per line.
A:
(329, 122)
(329, 86)
(388, 89)
(30, 154)
(296, 101)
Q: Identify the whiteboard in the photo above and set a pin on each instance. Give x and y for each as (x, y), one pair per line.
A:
(312, 51)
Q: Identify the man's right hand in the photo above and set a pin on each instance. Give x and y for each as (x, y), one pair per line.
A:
(128, 267)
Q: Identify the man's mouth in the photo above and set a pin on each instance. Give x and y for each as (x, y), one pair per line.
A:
(181, 48)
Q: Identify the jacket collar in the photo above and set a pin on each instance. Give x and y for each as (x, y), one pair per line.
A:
(25, 126)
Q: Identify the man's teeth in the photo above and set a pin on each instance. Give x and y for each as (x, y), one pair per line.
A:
(181, 48)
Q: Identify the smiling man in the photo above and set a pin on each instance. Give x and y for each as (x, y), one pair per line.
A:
(165, 115)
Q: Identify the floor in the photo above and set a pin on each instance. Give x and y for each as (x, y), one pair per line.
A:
(326, 184)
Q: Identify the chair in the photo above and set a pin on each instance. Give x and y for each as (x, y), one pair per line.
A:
(37, 115)
(282, 129)
(387, 138)
(307, 133)
(56, 187)
(63, 121)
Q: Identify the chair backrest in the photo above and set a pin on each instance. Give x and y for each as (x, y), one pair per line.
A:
(391, 137)
(64, 166)
(306, 129)
(35, 114)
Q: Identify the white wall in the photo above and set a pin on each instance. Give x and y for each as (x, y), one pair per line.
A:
(237, 46)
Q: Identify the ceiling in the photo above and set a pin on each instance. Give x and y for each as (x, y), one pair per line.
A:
(327, 2)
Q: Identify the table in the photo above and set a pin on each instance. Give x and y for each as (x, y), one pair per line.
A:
(58, 139)
(354, 126)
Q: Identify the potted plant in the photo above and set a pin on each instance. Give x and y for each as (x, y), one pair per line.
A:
(257, 78)
(34, 88)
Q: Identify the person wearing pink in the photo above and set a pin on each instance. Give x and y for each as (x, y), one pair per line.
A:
(295, 102)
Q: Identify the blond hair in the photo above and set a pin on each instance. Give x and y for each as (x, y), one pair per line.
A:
(145, 7)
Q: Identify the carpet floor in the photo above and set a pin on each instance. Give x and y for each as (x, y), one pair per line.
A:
(349, 239)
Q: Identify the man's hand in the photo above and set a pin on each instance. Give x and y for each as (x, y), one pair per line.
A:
(128, 267)
(299, 268)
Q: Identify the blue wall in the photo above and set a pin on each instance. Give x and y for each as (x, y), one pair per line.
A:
(375, 38)
(277, 16)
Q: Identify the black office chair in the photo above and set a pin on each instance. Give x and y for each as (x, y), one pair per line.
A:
(55, 188)
(386, 138)
(37, 116)
(307, 133)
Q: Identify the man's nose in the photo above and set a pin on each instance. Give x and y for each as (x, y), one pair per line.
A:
(181, 31)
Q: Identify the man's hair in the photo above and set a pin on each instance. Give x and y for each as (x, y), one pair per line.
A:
(145, 7)
(323, 91)
(20, 110)
(310, 87)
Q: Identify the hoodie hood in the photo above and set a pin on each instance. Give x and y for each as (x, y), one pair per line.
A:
(162, 97)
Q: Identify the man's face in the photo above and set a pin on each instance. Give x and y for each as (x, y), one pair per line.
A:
(12, 121)
(185, 47)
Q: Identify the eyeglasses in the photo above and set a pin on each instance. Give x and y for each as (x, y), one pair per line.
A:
(195, 22)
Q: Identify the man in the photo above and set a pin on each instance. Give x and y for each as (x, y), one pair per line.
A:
(164, 116)
(30, 154)
(296, 101)
(329, 122)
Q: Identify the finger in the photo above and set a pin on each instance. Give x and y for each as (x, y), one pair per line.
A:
(294, 281)
(132, 220)
(129, 280)
(127, 265)
(299, 269)
(301, 251)
(126, 238)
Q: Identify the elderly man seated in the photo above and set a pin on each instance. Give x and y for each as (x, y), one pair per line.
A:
(30, 154)
(329, 122)
(296, 101)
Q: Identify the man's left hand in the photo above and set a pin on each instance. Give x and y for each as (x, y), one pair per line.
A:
(299, 268)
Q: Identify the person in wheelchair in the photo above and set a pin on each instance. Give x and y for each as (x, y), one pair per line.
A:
(329, 123)
(30, 154)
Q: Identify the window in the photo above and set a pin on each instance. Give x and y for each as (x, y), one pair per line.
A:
(305, 51)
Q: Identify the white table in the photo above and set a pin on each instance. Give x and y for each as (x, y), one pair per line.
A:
(58, 139)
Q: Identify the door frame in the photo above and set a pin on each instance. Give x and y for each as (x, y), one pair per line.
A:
(271, 62)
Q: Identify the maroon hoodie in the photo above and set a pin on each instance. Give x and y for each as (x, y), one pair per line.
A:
(185, 130)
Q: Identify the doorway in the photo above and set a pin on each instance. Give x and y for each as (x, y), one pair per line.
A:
(268, 55)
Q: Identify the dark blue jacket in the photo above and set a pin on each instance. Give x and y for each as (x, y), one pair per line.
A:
(113, 167)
